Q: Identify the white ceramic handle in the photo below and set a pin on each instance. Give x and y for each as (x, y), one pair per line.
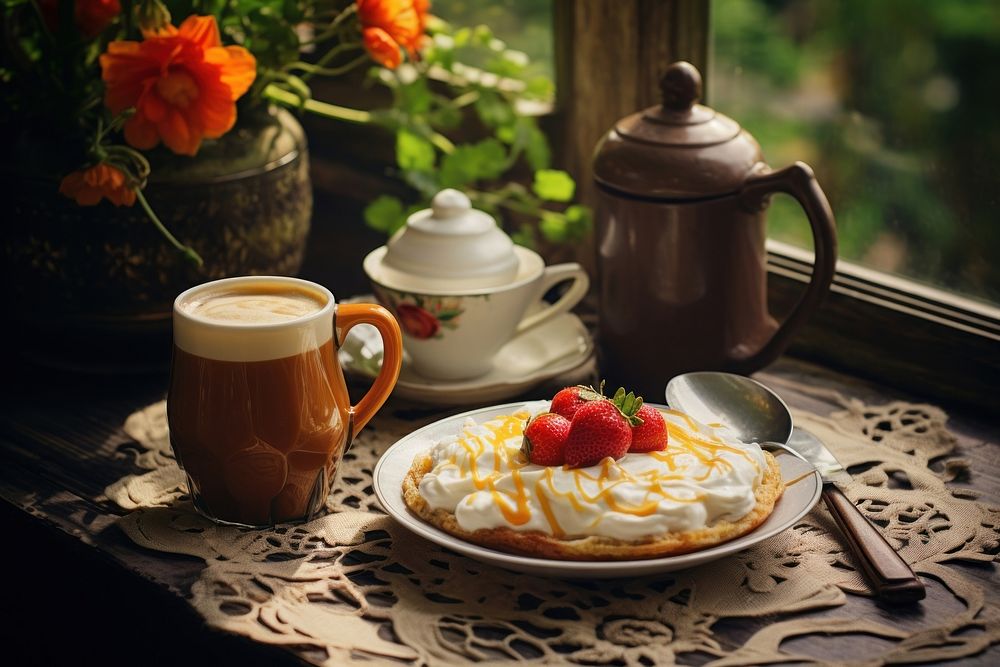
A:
(552, 276)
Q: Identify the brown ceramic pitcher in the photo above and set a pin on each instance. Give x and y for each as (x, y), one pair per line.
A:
(680, 231)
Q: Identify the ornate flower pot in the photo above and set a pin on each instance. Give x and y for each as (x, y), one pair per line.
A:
(92, 287)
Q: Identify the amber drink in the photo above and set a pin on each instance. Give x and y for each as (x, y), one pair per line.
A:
(258, 409)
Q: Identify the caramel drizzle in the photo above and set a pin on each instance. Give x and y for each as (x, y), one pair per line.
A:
(514, 506)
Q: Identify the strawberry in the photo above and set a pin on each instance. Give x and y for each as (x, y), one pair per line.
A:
(567, 401)
(651, 434)
(602, 428)
(545, 439)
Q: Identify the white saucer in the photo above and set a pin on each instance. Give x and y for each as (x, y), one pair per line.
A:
(803, 490)
(556, 346)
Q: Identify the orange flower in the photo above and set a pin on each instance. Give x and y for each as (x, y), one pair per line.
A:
(182, 82)
(90, 16)
(87, 186)
(387, 26)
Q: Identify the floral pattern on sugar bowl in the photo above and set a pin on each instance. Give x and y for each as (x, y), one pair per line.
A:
(422, 316)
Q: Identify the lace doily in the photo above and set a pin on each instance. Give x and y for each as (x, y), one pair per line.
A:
(353, 584)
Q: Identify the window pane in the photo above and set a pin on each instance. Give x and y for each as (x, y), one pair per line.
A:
(526, 25)
(894, 104)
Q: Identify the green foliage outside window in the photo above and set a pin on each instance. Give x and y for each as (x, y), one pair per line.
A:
(894, 104)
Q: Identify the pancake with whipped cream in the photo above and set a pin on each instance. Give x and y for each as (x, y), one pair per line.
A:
(704, 489)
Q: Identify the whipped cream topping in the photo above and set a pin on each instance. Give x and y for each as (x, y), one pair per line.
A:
(704, 475)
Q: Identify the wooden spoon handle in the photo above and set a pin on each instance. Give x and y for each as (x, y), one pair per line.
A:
(893, 579)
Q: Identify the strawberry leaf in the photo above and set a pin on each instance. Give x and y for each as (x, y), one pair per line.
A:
(589, 393)
(628, 404)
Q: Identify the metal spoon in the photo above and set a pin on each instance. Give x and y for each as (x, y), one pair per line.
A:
(756, 414)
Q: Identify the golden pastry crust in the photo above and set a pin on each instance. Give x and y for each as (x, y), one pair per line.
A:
(542, 545)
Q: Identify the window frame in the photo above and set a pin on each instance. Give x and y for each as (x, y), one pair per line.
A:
(893, 330)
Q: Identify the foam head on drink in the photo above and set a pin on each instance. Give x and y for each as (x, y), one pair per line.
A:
(258, 408)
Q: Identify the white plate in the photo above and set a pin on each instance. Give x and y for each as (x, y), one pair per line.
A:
(556, 346)
(797, 500)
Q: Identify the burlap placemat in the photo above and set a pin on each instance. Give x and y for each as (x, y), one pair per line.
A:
(353, 584)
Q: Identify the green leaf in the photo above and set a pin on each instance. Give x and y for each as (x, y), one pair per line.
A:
(470, 163)
(462, 36)
(414, 97)
(629, 405)
(524, 135)
(571, 225)
(505, 67)
(441, 51)
(413, 152)
(494, 110)
(540, 87)
(507, 134)
(446, 315)
(481, 35)
(385, 214)
(445, 116)
(424, 182)
(553, 185)
(536, 148)
(553, 226)
(578, 221)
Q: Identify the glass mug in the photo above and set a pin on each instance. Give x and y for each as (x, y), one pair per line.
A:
(258, 409)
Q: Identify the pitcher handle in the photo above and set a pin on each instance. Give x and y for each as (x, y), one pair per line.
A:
(350, 314)
(799, 181)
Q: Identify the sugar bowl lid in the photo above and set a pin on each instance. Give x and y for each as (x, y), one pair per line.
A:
(452, 241)
(678, 149)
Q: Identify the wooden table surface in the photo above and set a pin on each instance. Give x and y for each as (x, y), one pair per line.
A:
(79, 590)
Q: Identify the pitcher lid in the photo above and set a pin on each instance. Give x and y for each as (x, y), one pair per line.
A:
(678, 149)
(453, 241)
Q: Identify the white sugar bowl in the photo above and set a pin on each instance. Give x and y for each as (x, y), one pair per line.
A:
(460, 288)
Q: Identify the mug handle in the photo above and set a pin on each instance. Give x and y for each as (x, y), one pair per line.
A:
(349, 314)
(552, 276)
(799, 181)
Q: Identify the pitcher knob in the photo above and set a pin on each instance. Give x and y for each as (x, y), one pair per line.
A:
(680, 86)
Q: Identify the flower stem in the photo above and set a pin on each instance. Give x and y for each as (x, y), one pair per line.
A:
(285, 98)
(335, 24)
(466, 99)
(516, 202)
(344, 15)
(442, 142)
(188, 251)
(329, 56)
(311, 69)
(275, 93)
